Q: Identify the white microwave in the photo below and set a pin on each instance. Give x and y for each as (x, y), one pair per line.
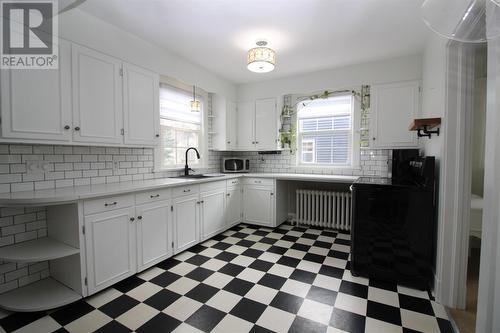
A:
(235, 164)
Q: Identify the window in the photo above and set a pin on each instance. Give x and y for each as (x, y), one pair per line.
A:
(325, 132)
(180, 128)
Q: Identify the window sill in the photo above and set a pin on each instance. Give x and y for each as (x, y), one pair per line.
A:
(327, 168)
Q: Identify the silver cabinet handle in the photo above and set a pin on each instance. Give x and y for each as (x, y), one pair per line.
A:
(185, 191)
(110, 204)
(258, 181)
(154, 196)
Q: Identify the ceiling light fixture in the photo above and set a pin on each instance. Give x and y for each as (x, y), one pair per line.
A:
(195, 104)
(261, 59)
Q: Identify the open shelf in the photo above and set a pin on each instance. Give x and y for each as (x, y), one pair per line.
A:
(36, 250)
(421, 123)
(39, 296)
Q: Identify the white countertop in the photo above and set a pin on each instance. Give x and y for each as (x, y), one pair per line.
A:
(72, 194)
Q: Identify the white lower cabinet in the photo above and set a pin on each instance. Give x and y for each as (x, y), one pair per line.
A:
(154, 242)
(186, 220)
(111, 247)
(212, 205)
(258, 207)
(234, 205)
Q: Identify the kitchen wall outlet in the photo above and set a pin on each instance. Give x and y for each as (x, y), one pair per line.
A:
(37, 166)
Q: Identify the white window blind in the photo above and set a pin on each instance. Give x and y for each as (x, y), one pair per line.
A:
(325, 131)
(180, 128)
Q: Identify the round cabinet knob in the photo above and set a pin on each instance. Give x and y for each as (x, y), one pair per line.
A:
(66, 127)
(77, 128)
(139, 217)
(157, 135)
(132, 219)
(373, 139)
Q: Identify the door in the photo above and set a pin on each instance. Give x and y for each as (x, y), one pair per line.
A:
(212, 213)
(97, 97)
(141, 105)
(234, 207)
(258, 205)
(154, 242)
(36, 104)
(246, 122)
(393, 108)
(231, 125)
(111, 247)
(186, 222)
(266, 124)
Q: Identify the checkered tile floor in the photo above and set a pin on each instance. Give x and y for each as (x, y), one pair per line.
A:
(249, 279)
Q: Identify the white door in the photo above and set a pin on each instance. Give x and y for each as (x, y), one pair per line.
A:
(234, 209)
(97, 97)
(186, 222)
(141, 105)
(231, 125)
(212, 212)
(154, 242)
(111, 247)
(246, 122)
(393, 107)
(258, 205)
(266, 124)
(36, 104)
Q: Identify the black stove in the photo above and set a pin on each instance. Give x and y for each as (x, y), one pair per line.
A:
(393, 229)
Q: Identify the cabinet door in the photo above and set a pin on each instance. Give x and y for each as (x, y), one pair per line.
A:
(231, 125)
(393, 107)
(97, 97)
(212, 213)
(186, 222)
(266, 124)
(258, 202)
(234, 209)
(36, 104)
(153, 233)
(141, 105)
(111, 248)
(246, 122)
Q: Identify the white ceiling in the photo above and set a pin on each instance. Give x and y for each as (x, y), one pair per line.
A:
(308, 35)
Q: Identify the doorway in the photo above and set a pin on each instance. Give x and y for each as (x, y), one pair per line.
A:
(465, 318)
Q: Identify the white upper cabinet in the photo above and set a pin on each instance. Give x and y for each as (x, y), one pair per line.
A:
(266, 124)
(258, 125)
(246, 123)
(393, 107)
(36, 104)
(97, 97)
(224, 123)
(141, 107)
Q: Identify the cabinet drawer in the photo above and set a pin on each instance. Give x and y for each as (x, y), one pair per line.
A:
(233, 182)
(258, 181)
(106, 204)
(152, 196)
(185, 190)
(212, 186)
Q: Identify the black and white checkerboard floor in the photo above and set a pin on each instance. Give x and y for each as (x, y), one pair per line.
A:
(249, 279)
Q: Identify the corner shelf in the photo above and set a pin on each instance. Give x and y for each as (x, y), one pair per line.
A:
(38, 296)
(423, 126)
(40, 249)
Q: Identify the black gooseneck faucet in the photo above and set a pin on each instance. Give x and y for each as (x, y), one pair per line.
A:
(186, 167)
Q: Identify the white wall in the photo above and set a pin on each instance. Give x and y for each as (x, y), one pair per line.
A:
(80, 27)
(390, 70)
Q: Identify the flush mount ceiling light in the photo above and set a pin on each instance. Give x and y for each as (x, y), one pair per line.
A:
(261, 59)
(195, 104)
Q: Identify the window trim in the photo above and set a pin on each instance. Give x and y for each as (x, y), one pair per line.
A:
(203, 149)
(354, 139)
